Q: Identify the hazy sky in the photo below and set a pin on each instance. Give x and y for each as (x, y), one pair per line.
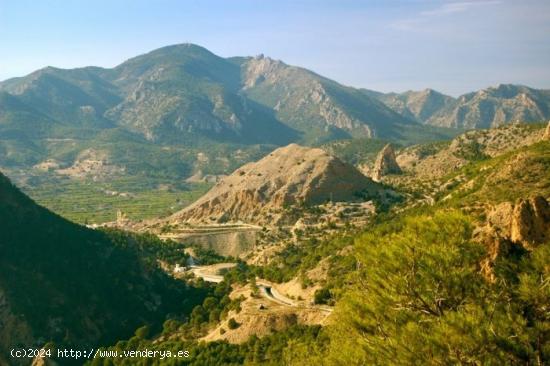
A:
(452, 46)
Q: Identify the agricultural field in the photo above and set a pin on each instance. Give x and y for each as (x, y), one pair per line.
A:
(89, 202)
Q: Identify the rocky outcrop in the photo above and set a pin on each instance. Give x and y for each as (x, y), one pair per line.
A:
(43, 361)
(530, 224)
(290, 176)
(526, 223)
(385, 164)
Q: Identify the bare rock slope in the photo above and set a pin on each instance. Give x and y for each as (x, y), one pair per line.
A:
(259, 192)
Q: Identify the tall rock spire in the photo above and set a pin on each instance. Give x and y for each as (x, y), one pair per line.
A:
(385, 163)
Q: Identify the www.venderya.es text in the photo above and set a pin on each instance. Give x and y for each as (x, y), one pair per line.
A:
(95, 353)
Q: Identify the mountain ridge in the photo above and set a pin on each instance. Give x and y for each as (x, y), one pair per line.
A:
(180, 90)
(490, 107)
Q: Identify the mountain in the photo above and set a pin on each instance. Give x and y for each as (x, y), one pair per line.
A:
(485, 108)
(20, 126)
(178, 111)
(315, 105)
(292, 175)
(65, 283)
(78, 97)
(496, 106)
(416, 105)
(179, 93)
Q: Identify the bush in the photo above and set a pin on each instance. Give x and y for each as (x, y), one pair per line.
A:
(232, 324)
(322, 296)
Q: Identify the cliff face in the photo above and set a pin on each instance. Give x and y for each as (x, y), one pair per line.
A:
(292, 175)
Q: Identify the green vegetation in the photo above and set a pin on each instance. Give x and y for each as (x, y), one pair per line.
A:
(516, 174)
(209, 256)
(419, 298)
(87, 202)
(322, 296)
(290, 346)
(296, 259)
(76, 286)
(232, 324)
(149, 247)
(215, 307)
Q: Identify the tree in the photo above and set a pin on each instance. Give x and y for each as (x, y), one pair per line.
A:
(232, 324)
(322, 296)
(415, 276)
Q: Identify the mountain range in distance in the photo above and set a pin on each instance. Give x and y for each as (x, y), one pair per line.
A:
(184, 90)
(178, 102)
(490, 107)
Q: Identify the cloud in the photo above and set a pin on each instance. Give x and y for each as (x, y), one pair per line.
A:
(444, 9)
(456, 7)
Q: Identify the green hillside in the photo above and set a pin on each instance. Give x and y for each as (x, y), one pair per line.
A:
(75, 286)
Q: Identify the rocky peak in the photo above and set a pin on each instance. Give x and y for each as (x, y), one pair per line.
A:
(385, 163)
(263, 69)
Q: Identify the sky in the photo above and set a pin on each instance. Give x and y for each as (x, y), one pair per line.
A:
(451, 46)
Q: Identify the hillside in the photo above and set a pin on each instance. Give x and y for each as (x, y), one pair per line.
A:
(490, 107)
(460, 278)
(292, 175)
(67, 284)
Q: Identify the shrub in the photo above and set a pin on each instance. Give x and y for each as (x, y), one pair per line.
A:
(232, 324)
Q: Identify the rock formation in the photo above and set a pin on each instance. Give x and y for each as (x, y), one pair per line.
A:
(526, 223)
(385, 164)
(530, 222)
(292, 175)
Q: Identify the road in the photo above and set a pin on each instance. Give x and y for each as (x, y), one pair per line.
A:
(211, 273)
(267, 290)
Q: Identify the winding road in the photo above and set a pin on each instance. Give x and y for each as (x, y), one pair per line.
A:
(267, 290)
